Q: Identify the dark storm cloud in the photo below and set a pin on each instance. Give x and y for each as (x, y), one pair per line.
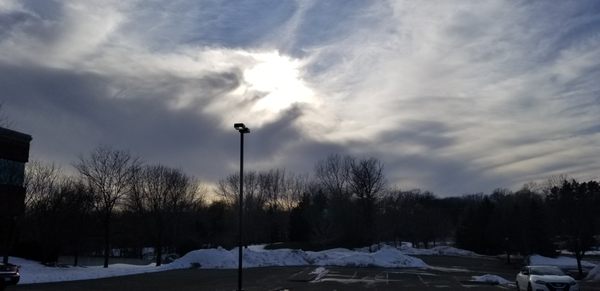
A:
(68, 114)
(282, 144)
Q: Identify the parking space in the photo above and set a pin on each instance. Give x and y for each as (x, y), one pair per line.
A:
(405, 279)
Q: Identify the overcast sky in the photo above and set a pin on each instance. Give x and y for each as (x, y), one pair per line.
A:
(452, 96)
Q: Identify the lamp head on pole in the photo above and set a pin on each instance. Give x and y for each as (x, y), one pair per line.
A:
(241, 128)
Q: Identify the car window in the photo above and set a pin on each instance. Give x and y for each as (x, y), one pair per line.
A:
(546, 271)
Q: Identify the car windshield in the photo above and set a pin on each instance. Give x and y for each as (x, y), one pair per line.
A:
(546, 271)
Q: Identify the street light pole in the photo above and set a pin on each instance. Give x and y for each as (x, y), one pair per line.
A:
(243, 130)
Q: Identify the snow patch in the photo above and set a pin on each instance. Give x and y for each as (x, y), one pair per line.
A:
(320, 272)
(594, 274)
(494, 279)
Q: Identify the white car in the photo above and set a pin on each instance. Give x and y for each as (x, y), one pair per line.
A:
(545, 278)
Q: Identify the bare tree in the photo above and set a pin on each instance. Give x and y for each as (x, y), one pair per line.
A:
(109, 174)
(228, 189)
(293, 189)
(367, 182)
(56, 213)
(79, 203)
(333, 174)
(40, 180)
(163, 192)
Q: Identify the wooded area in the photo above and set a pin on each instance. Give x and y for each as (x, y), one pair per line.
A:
(117, 201)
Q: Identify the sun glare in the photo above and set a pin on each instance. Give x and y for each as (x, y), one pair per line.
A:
(278, 78)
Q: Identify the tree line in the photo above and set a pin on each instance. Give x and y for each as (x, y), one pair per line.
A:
(117, 201)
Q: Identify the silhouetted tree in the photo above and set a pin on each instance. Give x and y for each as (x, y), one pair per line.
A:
(575, 203)
(41, 182)
(79, 205)
(367, 182)
(472, 232)
(163, 193)
(109, 175)
(333, 179)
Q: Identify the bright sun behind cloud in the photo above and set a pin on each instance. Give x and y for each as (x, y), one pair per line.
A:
(278, 78)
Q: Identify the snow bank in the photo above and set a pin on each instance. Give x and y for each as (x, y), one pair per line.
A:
(255, 256)
(439, 251)
(594, 274)
(488, 278)
(34, 272)
(563, 262)
(219, 258)
(387, 257)
(265, 258)
(408, 249)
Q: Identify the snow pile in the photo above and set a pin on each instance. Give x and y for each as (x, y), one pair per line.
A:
(439, 251)
(408, 249)
(34, 272)
(281, 257)
(594, 274)
(493, 279)
(387, 257)
(219, 258)
(563, 262)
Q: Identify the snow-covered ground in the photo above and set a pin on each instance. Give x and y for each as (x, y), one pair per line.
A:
(219, 258)
(34, 272)
(382, 255)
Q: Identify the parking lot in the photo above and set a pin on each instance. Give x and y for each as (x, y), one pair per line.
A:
(450, 273)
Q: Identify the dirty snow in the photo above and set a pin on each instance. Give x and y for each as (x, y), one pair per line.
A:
(385, 257)
(561, 261)
(594, 274)
(488, 278)
(320, 272)
(408, 249)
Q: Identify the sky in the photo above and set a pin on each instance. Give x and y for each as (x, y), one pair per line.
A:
(454, 97)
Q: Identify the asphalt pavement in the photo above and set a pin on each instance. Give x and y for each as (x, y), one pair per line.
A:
(447, 273)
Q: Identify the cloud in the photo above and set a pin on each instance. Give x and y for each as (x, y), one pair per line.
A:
(500, 78)
(455, 97)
